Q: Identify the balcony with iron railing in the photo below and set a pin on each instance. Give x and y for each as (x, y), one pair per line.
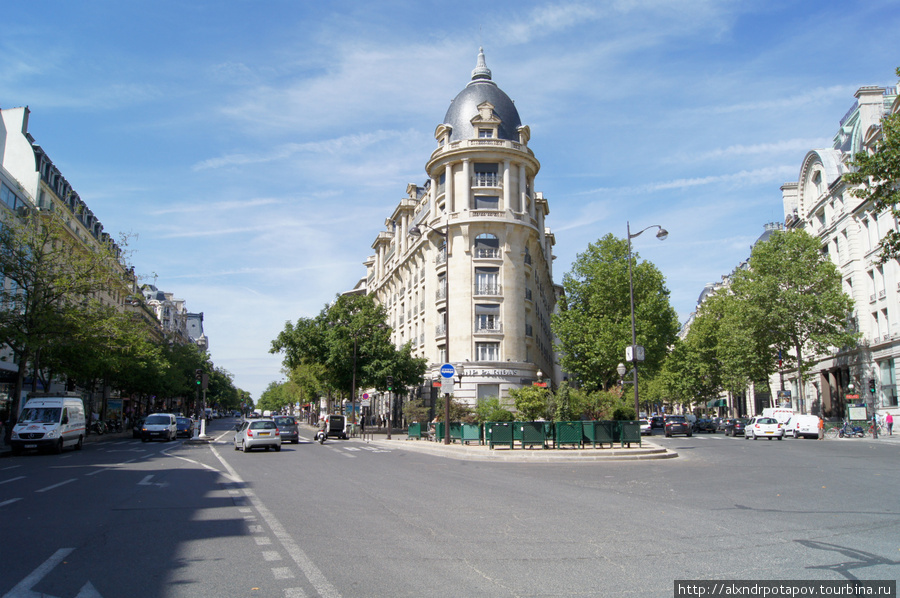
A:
(488, 289)
(528, 295)
(488, 327)
(441, 293)
(529, 330)
(486, 179)
(441, 258)
(440, 331)
(487, 253)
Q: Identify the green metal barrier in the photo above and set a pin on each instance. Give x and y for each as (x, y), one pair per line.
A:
(532, 433)
(470, 433)
(414, 431)
(600, 432)
(630, 431)
(569, 433)
(499, 433)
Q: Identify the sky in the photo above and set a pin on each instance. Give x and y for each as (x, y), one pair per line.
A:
(250, 151)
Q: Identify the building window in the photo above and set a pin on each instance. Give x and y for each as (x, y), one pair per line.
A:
(487, 246)
(487, 351)
(488, 391)
(486, 175)
(487, 202)
(485, 133)
(487, 281)
(487, 318)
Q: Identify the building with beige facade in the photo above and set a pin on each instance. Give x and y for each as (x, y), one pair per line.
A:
(464, 264)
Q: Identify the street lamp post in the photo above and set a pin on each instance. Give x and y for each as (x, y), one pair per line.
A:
(415, 231)
(636, 354)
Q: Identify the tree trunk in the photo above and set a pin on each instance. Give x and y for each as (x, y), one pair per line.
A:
(16, 397)
(801, 396)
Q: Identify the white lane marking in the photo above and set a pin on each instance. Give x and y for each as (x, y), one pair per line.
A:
(21, 477)
(55, 486)
(9, 502)
(271, 555)
(315, 576)
(23, 588)
(282, 573)
(294, 593)
(10, 467)
(263, 541)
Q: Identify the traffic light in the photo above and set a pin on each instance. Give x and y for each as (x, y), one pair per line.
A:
(198, 377)
(872, 385)
(390, 383)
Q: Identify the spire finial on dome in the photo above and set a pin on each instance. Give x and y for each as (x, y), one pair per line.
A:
(481, 70)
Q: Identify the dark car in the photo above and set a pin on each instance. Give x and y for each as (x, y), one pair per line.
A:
(657, 421)
(705, 425)
(184, 427)
(735, 427)
(678, 424)
(287, 425)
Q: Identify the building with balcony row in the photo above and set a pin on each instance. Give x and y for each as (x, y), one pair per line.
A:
(464, 265)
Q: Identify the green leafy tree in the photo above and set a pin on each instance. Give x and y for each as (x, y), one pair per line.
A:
(878, 176)
(415, 411)
(594, 321)
(491, 410)
(792, 295)
(52, 274)
(532, 402)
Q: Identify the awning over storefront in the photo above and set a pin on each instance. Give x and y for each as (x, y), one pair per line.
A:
(717, 403)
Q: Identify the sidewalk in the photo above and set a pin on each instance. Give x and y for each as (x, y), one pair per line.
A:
(481, 452)
(6, 451)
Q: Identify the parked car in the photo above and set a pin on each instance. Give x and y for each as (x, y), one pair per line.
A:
(705, 425)
(159, 425)
(287, 425)
(678, 424)
(764, 427)
(735, 427)
(257, 433)
(658, 421)
(184, 427)
(646, 429)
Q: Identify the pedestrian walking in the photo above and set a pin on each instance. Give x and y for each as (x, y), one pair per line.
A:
(821, 428)
(889, 420)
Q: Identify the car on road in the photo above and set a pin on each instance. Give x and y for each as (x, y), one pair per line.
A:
(658, 421)
(735, 426)
(184, 426)
(257, 433)
(705, 425)
(159, 425)
(764, 427)
(646, 428)
(287, 425)
(802, 426)
(678, 424)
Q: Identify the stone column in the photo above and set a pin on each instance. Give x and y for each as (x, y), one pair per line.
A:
(467, 184)
(449, 202)
(507, 196)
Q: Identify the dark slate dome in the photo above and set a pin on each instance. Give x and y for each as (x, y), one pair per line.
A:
(465, 106)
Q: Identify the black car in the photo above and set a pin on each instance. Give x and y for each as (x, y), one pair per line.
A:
(657, 421)
(287, 425)
(735, 427)
(185, 426)
(678, 424)
(705, 425)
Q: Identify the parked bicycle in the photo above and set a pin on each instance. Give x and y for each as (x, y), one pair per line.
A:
(846, 430)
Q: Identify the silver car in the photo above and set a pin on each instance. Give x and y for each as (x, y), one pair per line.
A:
(764, 427)
(255, 433)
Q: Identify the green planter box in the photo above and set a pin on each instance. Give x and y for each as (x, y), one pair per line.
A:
(569, 433)
(470, 433)
(630, 431)
(414, 431)
(499, 433)
(600, 432)
(532, 433)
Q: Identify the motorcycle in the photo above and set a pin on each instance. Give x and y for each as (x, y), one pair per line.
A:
(849, 431)
(98, 427)
(320, 436)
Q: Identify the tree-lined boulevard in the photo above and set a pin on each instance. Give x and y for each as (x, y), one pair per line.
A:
(351, 518)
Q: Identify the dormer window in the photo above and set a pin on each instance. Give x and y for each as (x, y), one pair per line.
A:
(485, 133)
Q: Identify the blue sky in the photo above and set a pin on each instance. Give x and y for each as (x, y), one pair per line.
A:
(254, 149)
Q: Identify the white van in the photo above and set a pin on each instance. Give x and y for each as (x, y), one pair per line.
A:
(781, 414)
(49, 422)
(803, 426)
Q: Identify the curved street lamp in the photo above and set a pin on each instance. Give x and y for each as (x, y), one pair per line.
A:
(636, 353)
(416, 232)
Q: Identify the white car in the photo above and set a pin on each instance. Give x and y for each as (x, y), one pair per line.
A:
(646, 430)
(764, 427)
(803, 426)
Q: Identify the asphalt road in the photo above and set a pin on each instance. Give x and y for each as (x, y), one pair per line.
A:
(124, 518)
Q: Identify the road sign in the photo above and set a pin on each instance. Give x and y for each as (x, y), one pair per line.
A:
(634, 353)
(447, 370)
(447, 386)
(365, 396)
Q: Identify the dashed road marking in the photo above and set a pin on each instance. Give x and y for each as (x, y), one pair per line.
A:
(54, 486)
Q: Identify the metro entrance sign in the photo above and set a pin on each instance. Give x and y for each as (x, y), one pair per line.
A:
(447, 370)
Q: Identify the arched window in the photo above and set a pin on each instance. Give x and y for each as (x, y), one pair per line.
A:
(487, 246)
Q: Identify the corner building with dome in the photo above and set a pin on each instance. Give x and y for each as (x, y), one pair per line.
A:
(464, 265)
